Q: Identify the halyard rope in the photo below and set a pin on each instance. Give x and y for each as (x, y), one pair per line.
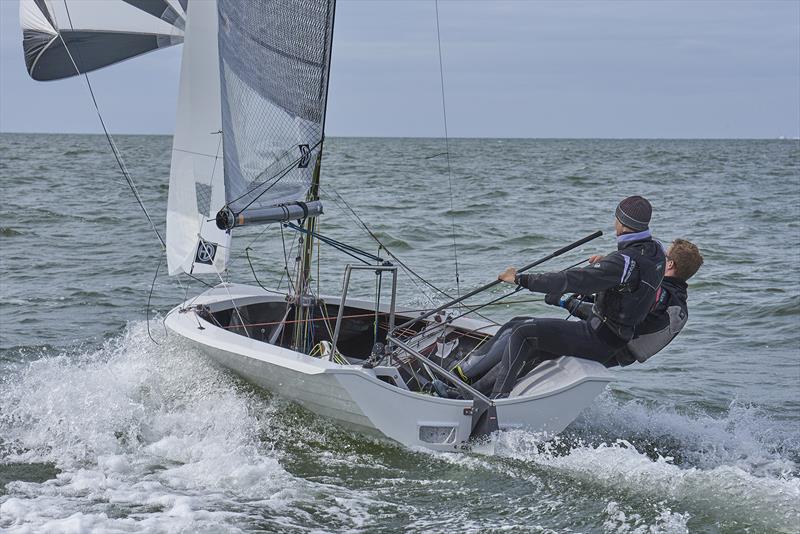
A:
(447, 148)
(117, 154)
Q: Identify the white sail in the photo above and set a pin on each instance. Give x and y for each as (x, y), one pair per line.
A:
(95, 33)
(196, 185)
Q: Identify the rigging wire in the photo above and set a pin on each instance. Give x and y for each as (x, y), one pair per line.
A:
(286, 255)
(235, 307)
(447, 152)
(353, 216)
(196, 279)
(249, 246)
(338, 245)
(280, 175)
(112, 144)
(149, 297)
(351, 213)
(255, 277)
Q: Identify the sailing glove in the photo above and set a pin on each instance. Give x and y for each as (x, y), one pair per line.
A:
(554, 299)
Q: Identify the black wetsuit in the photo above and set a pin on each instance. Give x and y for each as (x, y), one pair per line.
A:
(480, 369)
(664, 321)
(624, 284)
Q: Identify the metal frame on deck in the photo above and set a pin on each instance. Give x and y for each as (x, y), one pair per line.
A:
(377, 269)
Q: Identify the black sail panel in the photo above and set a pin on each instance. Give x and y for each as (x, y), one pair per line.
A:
(95, 34)
(90, 50)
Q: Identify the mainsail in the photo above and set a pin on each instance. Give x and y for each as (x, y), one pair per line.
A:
(94, 34)
(196, 187)
(274, 59)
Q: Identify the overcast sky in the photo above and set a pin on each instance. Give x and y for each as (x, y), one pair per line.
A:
(512, 69)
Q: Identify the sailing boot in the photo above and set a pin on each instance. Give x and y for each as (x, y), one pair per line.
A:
(445, 391)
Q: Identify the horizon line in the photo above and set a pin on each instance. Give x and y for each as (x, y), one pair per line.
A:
(776, 138)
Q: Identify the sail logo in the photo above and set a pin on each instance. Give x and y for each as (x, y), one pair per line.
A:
(205, 252)
(305, 156)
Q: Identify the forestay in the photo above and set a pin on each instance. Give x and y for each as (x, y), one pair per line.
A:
(96, 33)
(274, 73)
(196, 187)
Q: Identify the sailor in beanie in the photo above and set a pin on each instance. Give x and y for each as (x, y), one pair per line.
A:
(622, 286)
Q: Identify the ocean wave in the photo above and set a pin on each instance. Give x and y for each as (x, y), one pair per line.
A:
(392, 242)
(514, 243)
(786, 306)
(727, 495)
(744, 435)
(148, 437)
(79, 152)
(738, 469)
(619, 519)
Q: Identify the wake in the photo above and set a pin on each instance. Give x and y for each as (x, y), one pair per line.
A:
(737, 469)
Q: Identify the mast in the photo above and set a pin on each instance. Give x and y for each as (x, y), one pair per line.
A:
(274, 64)
(304, 303)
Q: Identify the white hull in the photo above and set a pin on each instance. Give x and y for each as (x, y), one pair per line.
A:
(547, 400)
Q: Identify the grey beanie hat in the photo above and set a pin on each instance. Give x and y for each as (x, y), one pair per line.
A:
(635, 212)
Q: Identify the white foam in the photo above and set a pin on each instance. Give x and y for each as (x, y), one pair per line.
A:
(743, 436)
(157, 439)
(148, 438)
(618, 521)
(733, 479)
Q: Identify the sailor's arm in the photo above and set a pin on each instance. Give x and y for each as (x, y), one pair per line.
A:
(578, 308)
(611, 271)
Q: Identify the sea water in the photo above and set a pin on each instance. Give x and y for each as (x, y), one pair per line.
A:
(108, 424)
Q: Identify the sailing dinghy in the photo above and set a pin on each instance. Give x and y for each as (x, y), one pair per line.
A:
(247, 150)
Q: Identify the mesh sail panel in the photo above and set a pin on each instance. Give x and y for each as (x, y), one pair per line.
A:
(274, 75)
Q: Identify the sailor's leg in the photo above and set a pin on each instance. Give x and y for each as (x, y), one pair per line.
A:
(521, 346)
(486, 382)
(574, 338)
(489, 355)
(548, 338)
(476, 367)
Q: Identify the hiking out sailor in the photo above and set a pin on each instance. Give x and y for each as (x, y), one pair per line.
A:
(669, 313)
(624, 284)
(664, 321)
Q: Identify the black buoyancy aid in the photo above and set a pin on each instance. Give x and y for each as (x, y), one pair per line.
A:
(622, 307)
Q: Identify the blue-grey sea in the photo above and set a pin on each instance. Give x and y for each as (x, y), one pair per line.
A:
(104, 430)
